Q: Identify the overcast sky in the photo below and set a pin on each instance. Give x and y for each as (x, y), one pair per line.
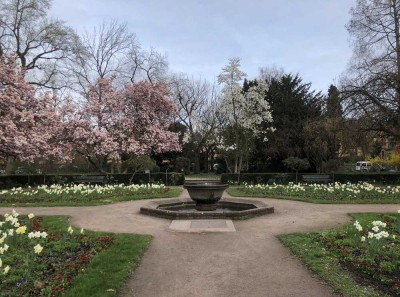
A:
(199, 36)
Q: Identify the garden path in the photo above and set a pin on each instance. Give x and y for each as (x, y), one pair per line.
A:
(250, 262)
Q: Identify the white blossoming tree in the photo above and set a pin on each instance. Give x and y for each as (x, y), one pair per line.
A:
(246, 114)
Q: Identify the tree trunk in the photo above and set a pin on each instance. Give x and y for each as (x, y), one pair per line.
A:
(131, 179)
(228, 168)
(206, 164)
(236, 166)
(196, 161)
(112, 167)
(240, 164)
(10, 167)
(98, 167)
(235, 169)
(397, 40)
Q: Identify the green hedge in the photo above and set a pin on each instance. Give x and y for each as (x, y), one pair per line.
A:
(285, 178)
(176, 179)
(258, 178)
(170, 179)
(374, 178)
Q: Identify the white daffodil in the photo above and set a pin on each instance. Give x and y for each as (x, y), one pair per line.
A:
(6, 269)
(37, 249)
(70, 230)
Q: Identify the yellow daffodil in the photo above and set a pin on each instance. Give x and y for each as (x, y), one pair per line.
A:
(70, 230)
(21, 230)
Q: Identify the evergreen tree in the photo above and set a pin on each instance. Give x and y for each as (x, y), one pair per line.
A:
(333, 103)
(292, 104)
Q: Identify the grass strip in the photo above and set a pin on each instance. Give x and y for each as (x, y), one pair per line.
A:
(107, 272)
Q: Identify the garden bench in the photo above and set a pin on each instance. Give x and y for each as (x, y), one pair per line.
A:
(317, 178)
(90, 179)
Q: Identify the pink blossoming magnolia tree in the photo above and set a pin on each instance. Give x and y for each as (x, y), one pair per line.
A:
(28, 122)
(116, 124)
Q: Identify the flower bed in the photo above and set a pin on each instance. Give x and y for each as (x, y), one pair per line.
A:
(80, 193)
(336, 192)
(370, 249)
(359, 260)
(36, 261)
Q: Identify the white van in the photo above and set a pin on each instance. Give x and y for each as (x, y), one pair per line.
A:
(363, 166)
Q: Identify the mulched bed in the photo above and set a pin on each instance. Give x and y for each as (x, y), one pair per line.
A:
(364, 267)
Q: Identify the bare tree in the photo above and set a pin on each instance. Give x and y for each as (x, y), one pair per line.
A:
(110, 50)
(190, 95)
(102, 53)
(268, 73)
(41, 44)
(372, 85)
(150, 65)
(196, 102)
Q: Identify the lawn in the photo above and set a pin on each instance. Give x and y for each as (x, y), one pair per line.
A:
(361, 259)
(45, 256)
(322, 193)
(82, 195)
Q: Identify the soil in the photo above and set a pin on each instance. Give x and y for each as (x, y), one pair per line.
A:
(250, 262)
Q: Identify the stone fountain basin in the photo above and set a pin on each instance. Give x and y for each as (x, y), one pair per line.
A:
(206, 192)
(234, 209)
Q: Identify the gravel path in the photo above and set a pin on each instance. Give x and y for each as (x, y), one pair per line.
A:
(250, 262)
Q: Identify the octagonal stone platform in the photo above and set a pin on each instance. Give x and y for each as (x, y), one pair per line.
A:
(234, 209)
(202, 226)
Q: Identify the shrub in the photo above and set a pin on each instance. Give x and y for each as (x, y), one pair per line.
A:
(182, 164)
(296, 164)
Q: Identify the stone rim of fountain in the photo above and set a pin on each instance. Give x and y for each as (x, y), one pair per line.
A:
(206, 202)
(174, 209)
